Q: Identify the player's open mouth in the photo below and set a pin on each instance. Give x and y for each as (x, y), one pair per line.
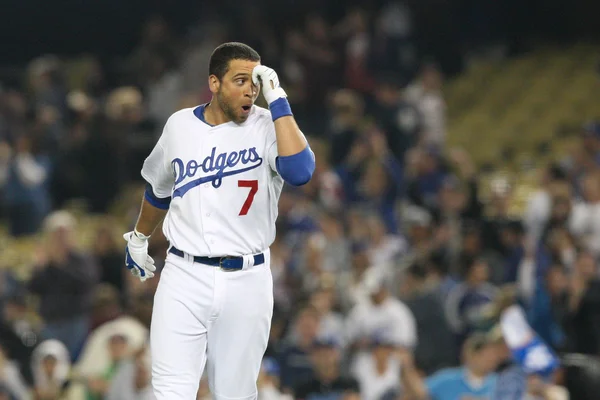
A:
(246, 108)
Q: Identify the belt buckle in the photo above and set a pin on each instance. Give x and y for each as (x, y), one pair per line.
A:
(221, 263)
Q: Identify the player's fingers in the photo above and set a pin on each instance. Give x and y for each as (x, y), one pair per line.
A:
(150, 267)
(255, 73)
(149, 260)
(274, 79)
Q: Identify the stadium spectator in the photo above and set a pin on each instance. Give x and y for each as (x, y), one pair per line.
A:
(63, 281)
(379, 373)
(432, 328)
(328, 380)
(475, 378)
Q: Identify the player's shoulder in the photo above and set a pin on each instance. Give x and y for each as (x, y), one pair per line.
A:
(185, 114)
(181, 122)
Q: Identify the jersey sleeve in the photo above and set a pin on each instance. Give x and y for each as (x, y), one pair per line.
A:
(296, 169)
(156, 170)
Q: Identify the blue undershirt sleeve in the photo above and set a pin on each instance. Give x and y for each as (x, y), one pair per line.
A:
(298, 168)
(162, 203)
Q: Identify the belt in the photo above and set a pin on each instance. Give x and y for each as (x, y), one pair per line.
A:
(227, 263)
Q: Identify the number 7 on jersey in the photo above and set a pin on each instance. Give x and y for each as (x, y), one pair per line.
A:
(253, 185)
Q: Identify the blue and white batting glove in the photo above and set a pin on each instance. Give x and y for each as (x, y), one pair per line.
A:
(274, 94)
(137, 260)
(261, 74)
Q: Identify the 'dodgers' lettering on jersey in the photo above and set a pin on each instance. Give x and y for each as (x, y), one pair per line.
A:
(219, 163)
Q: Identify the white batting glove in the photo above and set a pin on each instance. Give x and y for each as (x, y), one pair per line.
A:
(137, 260)
(261, 74)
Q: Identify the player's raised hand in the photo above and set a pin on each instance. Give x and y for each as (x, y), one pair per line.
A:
(267, 77)
(137, 260)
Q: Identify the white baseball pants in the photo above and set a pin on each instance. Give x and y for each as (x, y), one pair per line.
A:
(204, 315)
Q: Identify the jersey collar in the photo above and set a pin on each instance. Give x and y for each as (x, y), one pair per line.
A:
(199, 113)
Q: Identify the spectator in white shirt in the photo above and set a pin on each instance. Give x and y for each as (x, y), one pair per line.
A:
(426, 95)
(385, 247)
(381, 313)
(585, 219)
(538, 211)
(331, 323)
(379, 373)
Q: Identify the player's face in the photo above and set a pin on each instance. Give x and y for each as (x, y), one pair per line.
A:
(237, 93)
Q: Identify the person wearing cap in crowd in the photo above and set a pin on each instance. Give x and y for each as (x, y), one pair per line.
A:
(379, 373)
(63, 279)
(268, 381)
(328, 381)
(475, 379)
(381, 312)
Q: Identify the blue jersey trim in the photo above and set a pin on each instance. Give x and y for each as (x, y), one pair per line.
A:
(199, 113)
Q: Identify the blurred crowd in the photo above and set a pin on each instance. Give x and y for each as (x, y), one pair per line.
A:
(389, 266)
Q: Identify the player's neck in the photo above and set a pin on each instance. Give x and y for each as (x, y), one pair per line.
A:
(214, 115)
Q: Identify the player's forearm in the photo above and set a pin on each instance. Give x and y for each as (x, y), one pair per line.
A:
(296, 161)
(290, 139)
(149, 218)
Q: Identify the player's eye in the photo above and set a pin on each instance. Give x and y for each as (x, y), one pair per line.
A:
(240, 81)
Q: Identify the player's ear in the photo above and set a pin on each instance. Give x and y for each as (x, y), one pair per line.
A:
(214, 83)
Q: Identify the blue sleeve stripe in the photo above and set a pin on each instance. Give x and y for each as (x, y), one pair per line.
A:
(155, 201)
(298, 168)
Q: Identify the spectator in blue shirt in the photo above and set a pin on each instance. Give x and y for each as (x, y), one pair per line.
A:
(294, 358)
(475, 380)
(467, 300)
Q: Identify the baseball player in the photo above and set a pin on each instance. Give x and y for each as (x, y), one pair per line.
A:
(215, 176)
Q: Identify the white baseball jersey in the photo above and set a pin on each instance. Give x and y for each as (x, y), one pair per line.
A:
(222, 180)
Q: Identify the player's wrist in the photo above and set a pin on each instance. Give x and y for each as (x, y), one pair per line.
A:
(138, 238)
(274, 94)
(280, 107)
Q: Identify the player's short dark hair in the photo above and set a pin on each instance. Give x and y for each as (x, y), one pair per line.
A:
(219, 60)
